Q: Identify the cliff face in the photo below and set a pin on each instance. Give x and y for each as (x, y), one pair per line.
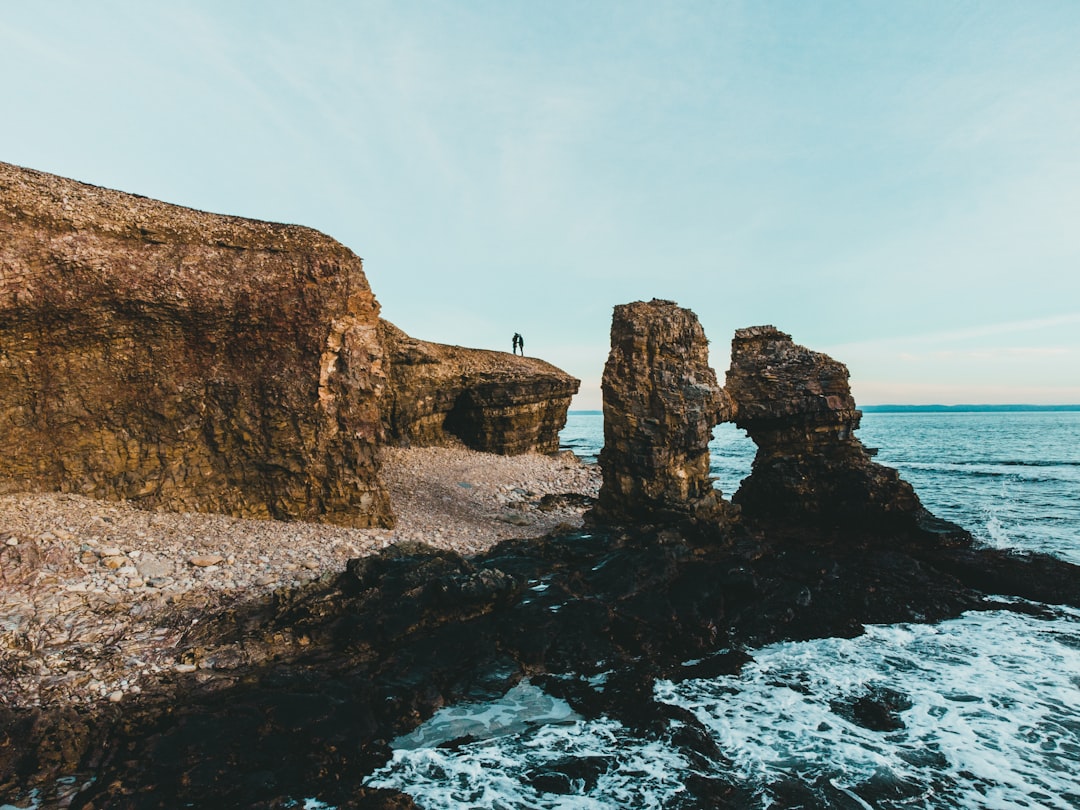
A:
(492, 401)
(797, 407)
(661, 401)
(184, 360)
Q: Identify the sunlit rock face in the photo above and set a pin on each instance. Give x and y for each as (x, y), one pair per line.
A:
(661, 402)
(184, 360)
(796, 405)
(490, 401)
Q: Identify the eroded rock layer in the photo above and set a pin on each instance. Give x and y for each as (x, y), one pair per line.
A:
(797, 407)
(492, 401)
(182, 359)
(661, 402)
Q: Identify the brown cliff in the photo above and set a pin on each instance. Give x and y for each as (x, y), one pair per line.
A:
(491, 401)
(182, 359)
(661, 402)
(796, 405)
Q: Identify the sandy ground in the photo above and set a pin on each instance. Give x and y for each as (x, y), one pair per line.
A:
(96, 596)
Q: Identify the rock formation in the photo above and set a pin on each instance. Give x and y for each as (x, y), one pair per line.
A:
(797, 407)
(491, 401)
(661, 402)
(182, 359)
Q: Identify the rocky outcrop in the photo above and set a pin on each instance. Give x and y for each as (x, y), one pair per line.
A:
(796, 405)
(491, 401)
(184, 360)
(661, 402)
(299, 694)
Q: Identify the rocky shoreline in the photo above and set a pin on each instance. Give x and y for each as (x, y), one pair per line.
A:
(98, 597)
(299, 692)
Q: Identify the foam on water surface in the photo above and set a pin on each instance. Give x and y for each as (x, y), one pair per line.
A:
(990, 713)
(517, 747)
(986, 712)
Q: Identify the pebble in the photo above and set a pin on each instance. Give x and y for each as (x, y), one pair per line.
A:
(206, 560)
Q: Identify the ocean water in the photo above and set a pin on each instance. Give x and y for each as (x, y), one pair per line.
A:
(987, 705)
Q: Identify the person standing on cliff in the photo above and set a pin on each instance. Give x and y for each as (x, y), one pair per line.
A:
(519, 343)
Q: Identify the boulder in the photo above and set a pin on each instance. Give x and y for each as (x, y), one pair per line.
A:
(184, 360)
(661, 402)
(491, 401)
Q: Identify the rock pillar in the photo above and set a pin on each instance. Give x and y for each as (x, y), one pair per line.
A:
(797, 407)
(661, 402)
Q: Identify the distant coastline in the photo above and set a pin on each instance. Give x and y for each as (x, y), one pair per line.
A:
(963, 408)
(926, 409)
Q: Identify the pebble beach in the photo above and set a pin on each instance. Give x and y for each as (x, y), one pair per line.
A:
(98, 597)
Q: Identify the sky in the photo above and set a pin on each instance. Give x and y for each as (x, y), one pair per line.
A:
(896, 184)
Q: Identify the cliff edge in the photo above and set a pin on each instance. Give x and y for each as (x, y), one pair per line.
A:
(491, 401)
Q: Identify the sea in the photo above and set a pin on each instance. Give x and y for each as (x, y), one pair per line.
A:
(990, 715)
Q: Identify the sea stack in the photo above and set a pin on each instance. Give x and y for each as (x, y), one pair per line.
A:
(810, 469)
(661, 402)
(184, 360)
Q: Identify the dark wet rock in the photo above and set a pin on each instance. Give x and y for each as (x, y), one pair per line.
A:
(661, 402)
(323, 677)
(564, 500)
(573, 775)
(877, 709)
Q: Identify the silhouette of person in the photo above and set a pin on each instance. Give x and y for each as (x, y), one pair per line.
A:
(519, 343)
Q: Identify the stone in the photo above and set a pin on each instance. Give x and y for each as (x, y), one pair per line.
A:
(661, 402)
(491, 401)
(206, 560)
(152, 568)
(184, 360)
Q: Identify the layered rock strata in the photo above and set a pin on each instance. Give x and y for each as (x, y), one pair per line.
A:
(796, 405)
(661, 402)
(184, 360)
(491, 401)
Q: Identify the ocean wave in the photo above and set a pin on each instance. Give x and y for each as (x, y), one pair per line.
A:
(978, 711)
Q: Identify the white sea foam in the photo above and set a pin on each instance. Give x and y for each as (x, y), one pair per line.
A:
(495, 770)
(993, 722)
(994, 719)
(520, 708)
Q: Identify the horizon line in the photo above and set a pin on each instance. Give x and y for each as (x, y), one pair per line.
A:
(1019, 406)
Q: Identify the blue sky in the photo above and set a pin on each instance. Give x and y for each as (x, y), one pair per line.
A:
(894, 183)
